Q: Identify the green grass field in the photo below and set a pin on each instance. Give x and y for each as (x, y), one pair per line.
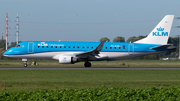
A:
(90, 84)
(33, 80)
(30, 80)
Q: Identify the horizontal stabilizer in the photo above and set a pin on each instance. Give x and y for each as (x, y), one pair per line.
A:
(171, 47)
(160, 47)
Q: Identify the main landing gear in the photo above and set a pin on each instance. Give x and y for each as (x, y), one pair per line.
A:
(87, 64)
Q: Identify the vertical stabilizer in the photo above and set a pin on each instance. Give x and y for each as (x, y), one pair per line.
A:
(160, 34)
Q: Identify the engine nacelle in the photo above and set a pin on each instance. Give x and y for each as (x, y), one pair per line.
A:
(67, 60)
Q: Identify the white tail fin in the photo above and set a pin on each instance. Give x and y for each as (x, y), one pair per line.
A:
(160, 33)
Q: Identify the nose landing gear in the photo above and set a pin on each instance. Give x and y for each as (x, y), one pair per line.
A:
(25, 62)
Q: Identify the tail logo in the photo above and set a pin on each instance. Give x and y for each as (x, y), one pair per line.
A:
(160, 32)
(42, 44)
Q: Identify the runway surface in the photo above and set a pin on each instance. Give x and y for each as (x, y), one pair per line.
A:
(90, 68)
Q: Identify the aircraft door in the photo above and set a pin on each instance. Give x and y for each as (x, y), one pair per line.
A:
(131, 48)
(31, 47)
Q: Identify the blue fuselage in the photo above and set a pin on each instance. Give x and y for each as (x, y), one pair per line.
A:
(49, 49)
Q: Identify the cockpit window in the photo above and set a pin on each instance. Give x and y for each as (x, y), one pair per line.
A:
(18, 46)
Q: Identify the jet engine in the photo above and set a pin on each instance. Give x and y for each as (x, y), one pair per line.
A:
(67, 60)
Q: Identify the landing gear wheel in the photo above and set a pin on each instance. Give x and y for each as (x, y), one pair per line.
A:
(25, 65)
(87, 64)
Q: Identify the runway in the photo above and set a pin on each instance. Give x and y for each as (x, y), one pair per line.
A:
(90, 68)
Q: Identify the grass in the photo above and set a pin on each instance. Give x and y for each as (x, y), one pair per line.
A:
(29, 80)
(119, 63)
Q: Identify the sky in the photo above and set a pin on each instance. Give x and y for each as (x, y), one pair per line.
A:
(85, 20)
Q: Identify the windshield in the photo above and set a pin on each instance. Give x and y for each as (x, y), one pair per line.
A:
(17, 46)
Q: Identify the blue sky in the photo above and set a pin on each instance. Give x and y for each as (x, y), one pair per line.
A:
(85, 20)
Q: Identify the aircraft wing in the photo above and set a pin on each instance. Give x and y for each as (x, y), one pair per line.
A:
(91, 54)
(88, 55)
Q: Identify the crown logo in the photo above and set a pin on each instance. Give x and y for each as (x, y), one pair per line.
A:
(160, 29)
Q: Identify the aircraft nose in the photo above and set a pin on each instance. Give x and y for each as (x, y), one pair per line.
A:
(6, 53)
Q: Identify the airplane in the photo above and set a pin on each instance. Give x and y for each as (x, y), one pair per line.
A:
(67, 52)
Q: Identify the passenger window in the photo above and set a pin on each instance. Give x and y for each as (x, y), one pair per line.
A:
(83, 46)
(60, 46)
(56, 46)
(123, 47)
(42, 46)
(69, 47)
(51, 46)
(110, 47)
(114, 47)
(87, 47)
(78, 46)
(38, 46)
(92, 47)
(47, 46)
(106, 47)
(73, 46)
(119, 47)
(64, 46)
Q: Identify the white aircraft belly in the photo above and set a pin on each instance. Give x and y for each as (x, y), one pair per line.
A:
(123, 55)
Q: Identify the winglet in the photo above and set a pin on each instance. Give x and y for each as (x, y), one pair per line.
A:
(96, 51)
(100, 46)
